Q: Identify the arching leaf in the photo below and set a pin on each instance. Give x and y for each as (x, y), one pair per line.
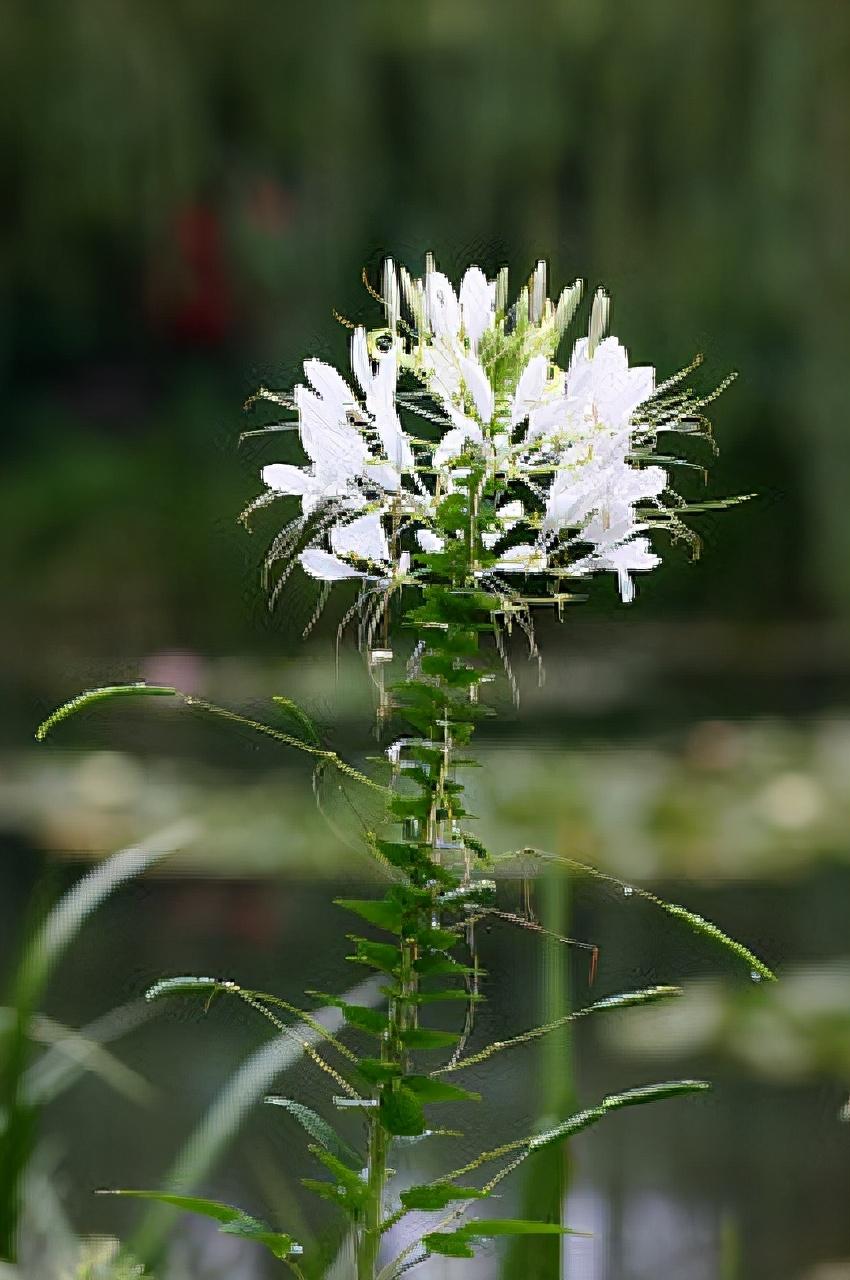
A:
(232, 1221)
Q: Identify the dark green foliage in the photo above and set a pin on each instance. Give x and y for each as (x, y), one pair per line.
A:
(459, 1244)
(429, 1090)
(317, 1128)
(381, 913)
(378, 955)
(401, 1111)
(437, 1195)
(348, 1190)
(377, 1072)
(425, 1038)
(357, 1015)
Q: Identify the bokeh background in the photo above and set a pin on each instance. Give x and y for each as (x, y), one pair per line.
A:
(190, 190)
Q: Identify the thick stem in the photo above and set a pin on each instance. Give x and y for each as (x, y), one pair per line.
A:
(392, 1050)
(369, 1241)
(443, 711)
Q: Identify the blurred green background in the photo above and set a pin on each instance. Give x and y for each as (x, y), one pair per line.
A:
(190, 189)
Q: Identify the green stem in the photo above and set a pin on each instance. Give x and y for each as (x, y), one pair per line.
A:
(440, 708)
(369, 1242)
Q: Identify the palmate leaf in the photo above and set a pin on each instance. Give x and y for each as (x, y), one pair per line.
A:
(623, 1000)
(106, 693)
(614, 1102)
(300, 717)
(260, 1002)
(696, 923)
(234, 1222)
(426, 1038)
(459, 1243)
(218, 1126)
(429, 1090)
(361, 1016)
(317, 1128)
(380, 912)
(402, 1113)
(430, 1197)
(348, 1190)
(576, 1123)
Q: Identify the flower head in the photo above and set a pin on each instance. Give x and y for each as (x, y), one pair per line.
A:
(462, 393)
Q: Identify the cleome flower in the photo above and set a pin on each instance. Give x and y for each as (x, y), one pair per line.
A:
(461, 383)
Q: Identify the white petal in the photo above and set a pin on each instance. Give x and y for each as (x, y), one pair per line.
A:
(428, 541)
(441, 305)
(537, 297)
(650, 483)
(522, 559)
(328, 382)
(549, 416)
(394, 441)
(510, 512)
(635, 555)
(321, 564)
(284, 478)
(627, 587)
(360, 362)
(477, 302)
(478, 386)
(383, 475)
(330, 441)
(363, 537)
(390, 293)
(529, 388)
(453, 442)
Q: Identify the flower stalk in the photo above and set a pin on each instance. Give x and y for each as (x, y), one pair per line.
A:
(522, 477)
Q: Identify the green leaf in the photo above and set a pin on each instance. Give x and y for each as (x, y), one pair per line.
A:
(349, 1191)
(630, 1098)
(449, 1244)
(296, 713)
(696, 923)
(428, 1089)
(316, 1127)
(378, 1072)
(329, 1191)
(278, 1244)
(377, 911)
(103, 694)
(485, 1227)
(425, 1038)
(437, 939)
(458, 1244)
(401, 1112)
(378, 955)
(358, 1015)
(437, 1195)
(182, 986)
(232, 1221)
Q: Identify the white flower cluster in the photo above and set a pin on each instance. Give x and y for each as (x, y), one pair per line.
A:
(562, 451)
